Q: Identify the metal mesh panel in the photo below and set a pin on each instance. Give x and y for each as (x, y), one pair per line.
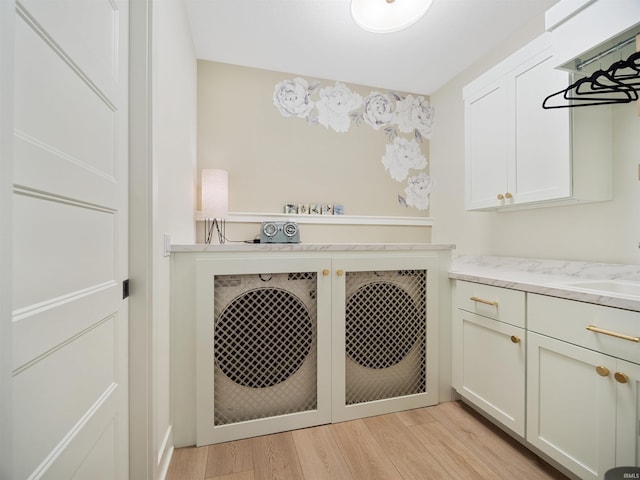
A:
(385, 341)
(265, 346)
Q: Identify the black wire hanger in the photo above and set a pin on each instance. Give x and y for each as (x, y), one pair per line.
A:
(619, 84)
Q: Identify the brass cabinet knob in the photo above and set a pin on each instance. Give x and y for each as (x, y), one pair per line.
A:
(500, 196)
(602, 371)
(508, 195)
(340, 272)
(515, 339)
(325, 272)
(621, 377)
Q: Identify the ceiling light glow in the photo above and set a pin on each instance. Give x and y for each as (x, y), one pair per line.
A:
(384, 16)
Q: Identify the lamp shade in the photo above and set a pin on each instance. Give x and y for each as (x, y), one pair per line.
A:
(384, 16)
(215, 193)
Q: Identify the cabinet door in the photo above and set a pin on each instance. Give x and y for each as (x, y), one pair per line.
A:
(542, 156)
(571, 405)
(385, 331)
(263, 348)
(489, 367)
(627, 376)
(488, 123)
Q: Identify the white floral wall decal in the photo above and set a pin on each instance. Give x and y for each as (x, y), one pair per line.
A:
(418, 190)
(378, 110)
(334, 106)
(414, 115)
(401, 156)
(292, 97)
(393, 113)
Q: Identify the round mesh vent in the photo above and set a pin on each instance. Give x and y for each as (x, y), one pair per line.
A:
(262, 337)
(381, 325)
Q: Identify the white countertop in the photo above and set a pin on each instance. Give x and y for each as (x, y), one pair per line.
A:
(548, 277)
(310, 247)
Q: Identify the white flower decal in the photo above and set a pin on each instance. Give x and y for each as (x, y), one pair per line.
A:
(378, 109)
(418, 190)
(401, 156)
(334, 106)
(292, 98)
(337, 106)
(414, 115)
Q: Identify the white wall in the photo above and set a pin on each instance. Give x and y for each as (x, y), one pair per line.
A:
(174, 90)
(273, 160)
(600, 232)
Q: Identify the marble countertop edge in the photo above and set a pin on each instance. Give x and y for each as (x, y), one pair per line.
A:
(310, 247)
(546, 277)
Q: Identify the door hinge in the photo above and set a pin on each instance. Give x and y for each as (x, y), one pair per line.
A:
(125, 288)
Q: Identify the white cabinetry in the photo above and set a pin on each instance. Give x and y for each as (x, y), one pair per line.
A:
(275, 340)
(581, 27)
(519, 155)
(582, 391)
(515, 151)
(385, 346)
(489, 351)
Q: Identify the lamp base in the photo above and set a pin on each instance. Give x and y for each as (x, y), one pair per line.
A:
(213, 223)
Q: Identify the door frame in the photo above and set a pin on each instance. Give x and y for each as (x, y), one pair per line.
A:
(141, 435)
(7, 22)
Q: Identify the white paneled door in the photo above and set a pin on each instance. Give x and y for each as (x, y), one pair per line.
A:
(70, 321)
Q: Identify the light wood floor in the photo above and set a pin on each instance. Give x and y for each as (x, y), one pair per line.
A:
(447, 441)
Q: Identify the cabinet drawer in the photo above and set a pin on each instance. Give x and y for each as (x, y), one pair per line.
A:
(494, 302)
(568, 320)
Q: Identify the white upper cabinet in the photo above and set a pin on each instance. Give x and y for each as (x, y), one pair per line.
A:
(518, 154)
(580, 26)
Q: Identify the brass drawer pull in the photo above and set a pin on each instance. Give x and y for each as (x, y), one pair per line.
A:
(593, 328)
(486, 302)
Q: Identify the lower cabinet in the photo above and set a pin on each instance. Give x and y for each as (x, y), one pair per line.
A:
(579, 364)
(583, 403)
(489, 354)
(491, 368)
(285, 341)
(582, 406)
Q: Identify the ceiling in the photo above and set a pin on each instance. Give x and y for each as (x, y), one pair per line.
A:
(319, 39)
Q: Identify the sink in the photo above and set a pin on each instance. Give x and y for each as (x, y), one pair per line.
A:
(614, 288)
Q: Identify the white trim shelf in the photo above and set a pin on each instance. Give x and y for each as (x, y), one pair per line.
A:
(242, 217)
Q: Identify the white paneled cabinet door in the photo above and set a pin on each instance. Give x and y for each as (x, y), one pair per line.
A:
(70, 240)
(263, 350)
(488, 131)
(384, 336)
(489, 366)
(542, 169)
(571, 405)
(627, 376)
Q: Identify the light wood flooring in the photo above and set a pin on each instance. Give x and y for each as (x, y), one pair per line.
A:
(447, 441)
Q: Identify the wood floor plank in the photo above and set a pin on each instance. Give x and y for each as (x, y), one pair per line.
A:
(236, 476)
(454, 456)
(187, 463)
(363, 455)
(229, 458)
(410, 459)
(498, 450)
(320, 457)
(449, 440)
(275, 457)
(416, 416)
